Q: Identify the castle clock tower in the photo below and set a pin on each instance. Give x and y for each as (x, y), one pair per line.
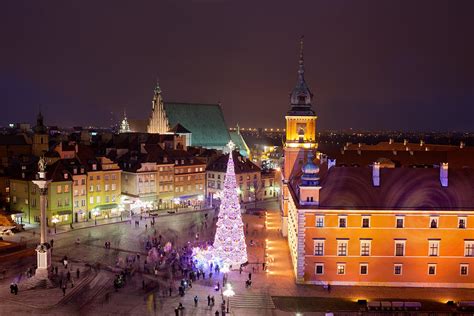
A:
(300, 134)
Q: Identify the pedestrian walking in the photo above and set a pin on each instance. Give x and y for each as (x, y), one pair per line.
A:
(250, 275)
(212, 300)
(208, 300)
(78, 272)
(329, 288)
(12, 288)
(16, 289)
(195, 301)
(240, 269)
(216, 313)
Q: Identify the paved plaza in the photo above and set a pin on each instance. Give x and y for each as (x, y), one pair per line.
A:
(273, 292)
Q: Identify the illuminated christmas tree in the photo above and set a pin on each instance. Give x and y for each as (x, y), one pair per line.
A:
(229, 241)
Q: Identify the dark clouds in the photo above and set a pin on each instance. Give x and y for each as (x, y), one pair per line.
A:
(371, 64)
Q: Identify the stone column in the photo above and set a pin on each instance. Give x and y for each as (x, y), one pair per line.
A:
(43, 251)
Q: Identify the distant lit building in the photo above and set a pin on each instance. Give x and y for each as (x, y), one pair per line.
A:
(124, 126)
(204, 122)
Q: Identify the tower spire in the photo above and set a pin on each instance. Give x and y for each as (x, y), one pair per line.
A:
(301, 96)
(301, 61)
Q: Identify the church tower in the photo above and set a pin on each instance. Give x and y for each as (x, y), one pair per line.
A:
(158, 122)
(300, 133)
(40, 137)
(124, 126)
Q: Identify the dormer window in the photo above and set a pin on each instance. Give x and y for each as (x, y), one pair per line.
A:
(75, 170)
(65, 176)
(302, 99)
(94, 166)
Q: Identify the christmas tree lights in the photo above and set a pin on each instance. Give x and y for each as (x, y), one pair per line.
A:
(229, 242)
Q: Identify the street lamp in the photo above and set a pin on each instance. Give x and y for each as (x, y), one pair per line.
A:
(95, 213)
(200, 199)
(176, 203)
(225, 269)
(55, 220)
(254, 191)
(229, 292)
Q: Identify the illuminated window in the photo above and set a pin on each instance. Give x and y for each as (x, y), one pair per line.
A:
(398, 269)
(58, 189)
(464, 269)
(433, 246)
(399, 247)
(462, 222)
(319, 221)
(341, 268)
(469, 248)
(431, 269)
(319, 268)
(342, 247)
(365, 221)
(364, 268)
(365, 247)
(434, 222)
(319, 247)
(342, 221)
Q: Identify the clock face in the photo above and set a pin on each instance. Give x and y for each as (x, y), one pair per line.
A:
(301, 128)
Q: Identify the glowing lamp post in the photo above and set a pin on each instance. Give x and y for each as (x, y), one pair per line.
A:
(225, 269)
(229, 292)
(95, 213)
(200, 199)
(176, 203)
(55, 220)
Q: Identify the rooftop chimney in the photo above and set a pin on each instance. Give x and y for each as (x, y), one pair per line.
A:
(443, 174)
(422, 142)
(376, 174)
(405, 142)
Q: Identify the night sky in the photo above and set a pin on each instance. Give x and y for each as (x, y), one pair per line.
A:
(405, 65)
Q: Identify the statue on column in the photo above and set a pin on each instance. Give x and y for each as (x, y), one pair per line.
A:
(41, 164)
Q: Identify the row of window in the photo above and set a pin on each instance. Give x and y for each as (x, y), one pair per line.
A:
(76, 182)
(83, 192)
(106, 177)
(65, 202)
(399, 221)
(397, 269)
(189, 187)
(399, 247)
(189, 170)
(196, 177)
(112, 187)
(98, 199)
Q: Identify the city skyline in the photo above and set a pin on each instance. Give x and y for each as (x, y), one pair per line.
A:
(383, 75)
